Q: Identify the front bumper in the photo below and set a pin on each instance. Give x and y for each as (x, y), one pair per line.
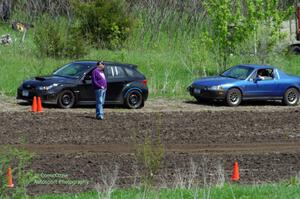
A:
(205, 93)
(46, 97)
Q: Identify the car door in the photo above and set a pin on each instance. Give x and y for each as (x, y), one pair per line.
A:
(87, 93)
(116, 79)
(263, 88)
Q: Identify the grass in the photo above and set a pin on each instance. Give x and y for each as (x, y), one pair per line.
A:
(169, 66)
(274, 191)
(160, 67)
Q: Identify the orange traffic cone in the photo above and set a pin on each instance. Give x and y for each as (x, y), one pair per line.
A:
(9, 178)
(39, 105)
(34, 105)
(235, 174)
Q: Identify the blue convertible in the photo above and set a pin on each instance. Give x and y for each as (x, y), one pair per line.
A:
(248, 82)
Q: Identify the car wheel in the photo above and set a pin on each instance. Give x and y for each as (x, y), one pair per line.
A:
(134, 100)
(66, 99)
(234, 97)
(291, 97)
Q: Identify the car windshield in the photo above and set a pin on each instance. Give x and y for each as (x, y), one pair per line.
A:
(74, 70)
(238, 72)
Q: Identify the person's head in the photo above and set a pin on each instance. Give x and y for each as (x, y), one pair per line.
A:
(100, 65)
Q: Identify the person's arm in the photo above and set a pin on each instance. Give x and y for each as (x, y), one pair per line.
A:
(95, 77)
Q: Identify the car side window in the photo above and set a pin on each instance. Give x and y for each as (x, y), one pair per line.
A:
(133, 73)
(265, 74)
(115, 72)
(109, 71)
(120, 73)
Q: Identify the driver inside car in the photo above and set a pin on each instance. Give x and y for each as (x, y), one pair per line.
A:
(263, 74)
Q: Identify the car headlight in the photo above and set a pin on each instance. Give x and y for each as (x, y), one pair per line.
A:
(216, 88)
(46, 88)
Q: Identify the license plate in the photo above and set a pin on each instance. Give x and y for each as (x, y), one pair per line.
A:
(25, 93)
(197, 91)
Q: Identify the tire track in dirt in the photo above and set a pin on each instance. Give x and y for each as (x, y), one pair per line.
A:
(178, 148)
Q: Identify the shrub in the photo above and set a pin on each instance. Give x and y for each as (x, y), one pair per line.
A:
(56, 38)
(104, 22)
(150, 154)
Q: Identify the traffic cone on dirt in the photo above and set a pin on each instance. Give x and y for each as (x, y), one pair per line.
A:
(235, 174)
(34, 105)
(9, 178)
(39, 105)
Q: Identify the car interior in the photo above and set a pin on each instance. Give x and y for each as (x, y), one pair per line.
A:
(265, 74)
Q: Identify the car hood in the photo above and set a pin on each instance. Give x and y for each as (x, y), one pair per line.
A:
(214, 81)
(48, 80)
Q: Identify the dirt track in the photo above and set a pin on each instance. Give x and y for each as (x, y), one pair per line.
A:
(264, 138)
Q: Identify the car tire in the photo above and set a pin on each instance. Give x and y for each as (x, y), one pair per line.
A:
(291, 97)
(134, 99)
(233, 97)
(66, 99)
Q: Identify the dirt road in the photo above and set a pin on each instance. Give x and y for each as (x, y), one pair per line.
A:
(264, 138)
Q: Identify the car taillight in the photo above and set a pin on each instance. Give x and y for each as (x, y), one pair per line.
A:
(145, 82)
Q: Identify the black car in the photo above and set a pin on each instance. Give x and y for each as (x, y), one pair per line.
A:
(71, 85)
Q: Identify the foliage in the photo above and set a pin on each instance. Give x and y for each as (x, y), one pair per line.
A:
(233, 22)
(18, 159)
(56, 38)
(266, 191)
(105, 23)
(150, 155)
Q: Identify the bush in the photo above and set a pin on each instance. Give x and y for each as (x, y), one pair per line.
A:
(56, 38)
(104, 22)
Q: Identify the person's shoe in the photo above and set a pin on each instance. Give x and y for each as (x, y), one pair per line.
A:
(99, 118)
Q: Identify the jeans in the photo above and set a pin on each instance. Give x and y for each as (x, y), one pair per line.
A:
(100, 99)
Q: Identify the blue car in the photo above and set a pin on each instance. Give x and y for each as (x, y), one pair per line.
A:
(248, 82)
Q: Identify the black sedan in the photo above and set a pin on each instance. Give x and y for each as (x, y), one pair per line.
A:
(71, 85)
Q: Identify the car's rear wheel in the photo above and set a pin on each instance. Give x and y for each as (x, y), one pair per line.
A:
(291, 97)
(66, 99)
(134, 99)
(233, 97)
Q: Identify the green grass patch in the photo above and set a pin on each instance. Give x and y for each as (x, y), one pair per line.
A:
(169, 66)
(274, 191)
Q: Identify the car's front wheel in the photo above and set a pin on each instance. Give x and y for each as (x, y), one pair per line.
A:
(134, 99)
(233, 97)
(291, 97)
(66, 99)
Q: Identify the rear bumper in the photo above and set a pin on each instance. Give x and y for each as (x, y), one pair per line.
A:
(207, 94)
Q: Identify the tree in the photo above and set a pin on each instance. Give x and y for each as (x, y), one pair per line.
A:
(233, 22)
(104, 22)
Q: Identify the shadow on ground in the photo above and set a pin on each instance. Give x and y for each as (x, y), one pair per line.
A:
(244, 104)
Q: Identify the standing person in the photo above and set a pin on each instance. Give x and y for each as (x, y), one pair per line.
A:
(100, 85)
